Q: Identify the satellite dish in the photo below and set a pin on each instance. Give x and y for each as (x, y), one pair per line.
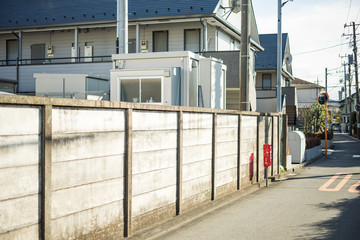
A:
(288, 58)
(235, 5)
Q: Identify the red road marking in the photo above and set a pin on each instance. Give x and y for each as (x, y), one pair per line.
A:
(353, 188)
(325, 188)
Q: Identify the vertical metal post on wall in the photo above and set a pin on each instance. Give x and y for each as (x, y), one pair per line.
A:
(213, 158)
(179, 164)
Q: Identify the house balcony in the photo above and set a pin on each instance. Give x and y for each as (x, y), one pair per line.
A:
(265, 93)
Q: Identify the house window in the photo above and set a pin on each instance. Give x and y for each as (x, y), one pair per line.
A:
(37, 53)
(11, 51)
(143, 90)
(266, 81)
(132, 45)
(161, 41)
(192, 40)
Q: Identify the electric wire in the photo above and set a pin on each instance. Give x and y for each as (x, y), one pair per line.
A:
(322, 49)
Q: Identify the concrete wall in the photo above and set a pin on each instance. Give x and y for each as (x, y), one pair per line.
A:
(78, 169)
(20, 146)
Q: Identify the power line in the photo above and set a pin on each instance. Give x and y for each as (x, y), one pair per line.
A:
(347, 18)
(321, 49)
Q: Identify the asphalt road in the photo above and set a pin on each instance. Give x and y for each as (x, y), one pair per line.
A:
(313, 204)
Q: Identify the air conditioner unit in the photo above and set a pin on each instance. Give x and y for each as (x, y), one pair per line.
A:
(73, 54)
(88, 53)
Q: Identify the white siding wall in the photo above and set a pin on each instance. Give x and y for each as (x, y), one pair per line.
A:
(103, 39)
(176, 34)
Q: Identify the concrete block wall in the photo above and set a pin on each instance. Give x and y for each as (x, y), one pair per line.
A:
(87, 171)
(248, 150)
(20, 146)
(226, 173)
(107, 170)
(154, 157)
(197, 159)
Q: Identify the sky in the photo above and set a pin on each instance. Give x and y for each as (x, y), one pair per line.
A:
(315, 29)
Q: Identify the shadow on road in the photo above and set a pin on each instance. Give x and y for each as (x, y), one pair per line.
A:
(345, 226)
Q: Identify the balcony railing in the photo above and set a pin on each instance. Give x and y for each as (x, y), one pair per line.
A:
(265, 92)
(41, 61)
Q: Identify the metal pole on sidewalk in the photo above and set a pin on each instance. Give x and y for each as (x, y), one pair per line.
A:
(326, 129)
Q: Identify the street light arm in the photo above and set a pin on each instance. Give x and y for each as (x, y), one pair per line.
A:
(286, 2)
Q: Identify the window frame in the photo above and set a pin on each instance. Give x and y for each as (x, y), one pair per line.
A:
(167, 40)
(11, 61)
(199, 44)
(263, 79)
(140, 78)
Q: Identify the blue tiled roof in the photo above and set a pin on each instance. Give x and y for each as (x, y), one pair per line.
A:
(267, 60)
(22, 13)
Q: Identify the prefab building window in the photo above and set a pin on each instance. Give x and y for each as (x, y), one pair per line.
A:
(161, 41)
(266, 81)
(192, 40)
(141, 90)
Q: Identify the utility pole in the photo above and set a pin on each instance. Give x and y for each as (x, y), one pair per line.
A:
(326, 73)
(245, 53)
(350, 97)
(346, 115)
(279, 58)
(122, 27)
(356, 81)
(353, 25)
(279, 61)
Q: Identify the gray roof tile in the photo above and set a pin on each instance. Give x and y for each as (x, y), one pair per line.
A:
(25, 13)
(267, 60)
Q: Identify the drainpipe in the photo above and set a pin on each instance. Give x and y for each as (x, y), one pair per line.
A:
(17, 60)
(122, 27)
(205, 45)
(76, 44)
(137, 38)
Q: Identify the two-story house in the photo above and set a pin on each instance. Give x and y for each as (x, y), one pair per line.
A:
(266, 77)
(80, 36)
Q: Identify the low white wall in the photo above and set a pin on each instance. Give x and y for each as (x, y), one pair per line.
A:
(226, 153)
(248, 147)
(87, 170)
(112, 168)
(197, 156)
(313, 153)
(20, 146)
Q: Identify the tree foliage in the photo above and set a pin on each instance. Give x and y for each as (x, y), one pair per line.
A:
(313, 118)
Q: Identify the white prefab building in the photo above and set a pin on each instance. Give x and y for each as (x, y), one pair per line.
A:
(169, 78)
